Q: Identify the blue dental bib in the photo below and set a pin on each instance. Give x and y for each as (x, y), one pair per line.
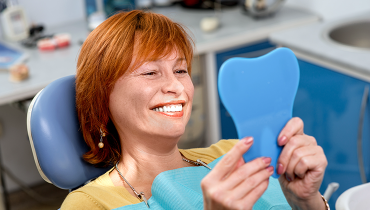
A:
(180, 189)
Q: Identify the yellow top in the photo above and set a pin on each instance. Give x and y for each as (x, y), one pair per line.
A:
(102, 194)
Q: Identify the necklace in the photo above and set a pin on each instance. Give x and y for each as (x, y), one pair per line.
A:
(198, 163)
(141, 195)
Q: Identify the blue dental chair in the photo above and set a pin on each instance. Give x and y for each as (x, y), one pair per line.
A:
(56, 141)
(58, 145)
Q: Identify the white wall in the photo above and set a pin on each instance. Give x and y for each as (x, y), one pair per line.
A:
(53, 12)
(332, 9)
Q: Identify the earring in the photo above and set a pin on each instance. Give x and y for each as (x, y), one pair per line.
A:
(101, 144)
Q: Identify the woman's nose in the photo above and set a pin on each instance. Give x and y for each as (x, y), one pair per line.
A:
(172, 85)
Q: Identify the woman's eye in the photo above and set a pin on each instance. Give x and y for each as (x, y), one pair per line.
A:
(181, 71)
(149, 73)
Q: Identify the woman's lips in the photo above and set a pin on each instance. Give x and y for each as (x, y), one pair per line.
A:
(169, 103)
(170, 109)
(172, 114)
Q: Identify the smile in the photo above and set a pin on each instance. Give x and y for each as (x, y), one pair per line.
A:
(169, 108)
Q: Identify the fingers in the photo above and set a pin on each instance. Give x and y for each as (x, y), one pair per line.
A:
(244, 172)
(240, 163)
(251, 183)
(302, 161)
(253, 196)
(247, 192)
(310, 168)
(293, 144)
(231, 159)
(316, 162)
(233, 184)
(299, 156)
(293, 127)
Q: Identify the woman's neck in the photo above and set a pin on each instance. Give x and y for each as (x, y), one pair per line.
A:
(141, 163)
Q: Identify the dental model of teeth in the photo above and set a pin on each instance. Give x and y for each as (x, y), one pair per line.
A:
(170, 108)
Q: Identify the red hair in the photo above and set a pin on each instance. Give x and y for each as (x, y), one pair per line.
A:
(105, 56)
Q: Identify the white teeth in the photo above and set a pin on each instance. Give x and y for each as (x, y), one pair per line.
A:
(177, 108)
(171, 108)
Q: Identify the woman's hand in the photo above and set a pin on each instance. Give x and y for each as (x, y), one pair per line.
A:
(233, 184)
(302, 165)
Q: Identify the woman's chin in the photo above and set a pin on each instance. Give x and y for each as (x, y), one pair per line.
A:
(171, 133)
(174, 134)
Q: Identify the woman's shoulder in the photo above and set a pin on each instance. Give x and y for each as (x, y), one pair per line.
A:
(98, 194)
(211, 153)
(80, 200)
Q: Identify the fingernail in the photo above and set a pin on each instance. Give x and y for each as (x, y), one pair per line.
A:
(248, 140)
(288, 178)
(282, 140)
(267, 160)
(270, 169)
(280, 168)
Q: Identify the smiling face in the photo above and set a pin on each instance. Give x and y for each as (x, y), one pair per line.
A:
(153, 101)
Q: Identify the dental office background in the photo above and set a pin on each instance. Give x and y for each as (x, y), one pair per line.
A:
(15, 149)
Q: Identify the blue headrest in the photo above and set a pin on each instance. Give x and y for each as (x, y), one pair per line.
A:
(57, 144)
(259, 95)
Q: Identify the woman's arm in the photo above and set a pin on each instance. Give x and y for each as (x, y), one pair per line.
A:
(302, 165)
(234, 185)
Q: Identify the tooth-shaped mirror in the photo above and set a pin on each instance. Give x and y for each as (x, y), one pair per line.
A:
(259, 94)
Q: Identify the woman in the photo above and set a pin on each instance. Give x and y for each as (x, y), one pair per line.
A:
(134, 98)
